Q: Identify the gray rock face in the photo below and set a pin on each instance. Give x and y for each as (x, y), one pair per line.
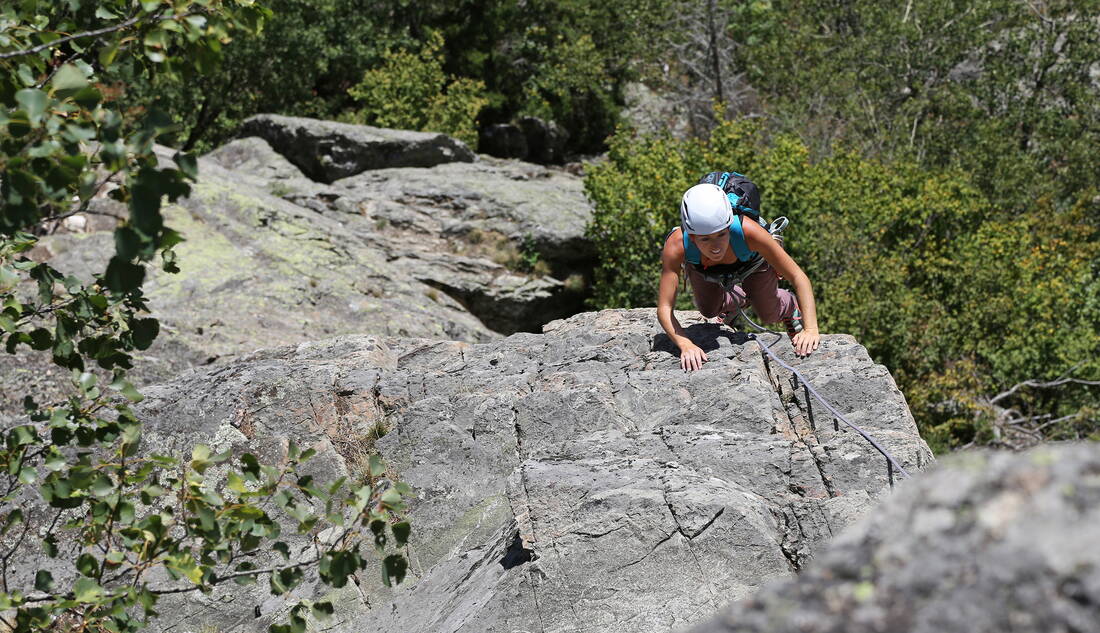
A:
(327, 151)
(259, 270)
(984, 543)
(462, 228)
(521, 201)
(574, 480)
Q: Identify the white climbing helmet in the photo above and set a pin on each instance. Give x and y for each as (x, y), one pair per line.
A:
(705, 209)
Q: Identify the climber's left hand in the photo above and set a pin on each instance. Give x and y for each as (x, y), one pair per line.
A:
(806, 341)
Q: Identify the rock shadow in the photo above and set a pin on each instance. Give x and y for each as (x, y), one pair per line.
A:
(705, 335)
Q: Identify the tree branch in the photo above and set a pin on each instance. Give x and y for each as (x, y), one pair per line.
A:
(105, 30)
(1041, 385)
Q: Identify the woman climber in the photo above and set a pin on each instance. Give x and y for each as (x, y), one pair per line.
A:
(730, 263)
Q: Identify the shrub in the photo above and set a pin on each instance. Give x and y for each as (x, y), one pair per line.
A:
(411, 91)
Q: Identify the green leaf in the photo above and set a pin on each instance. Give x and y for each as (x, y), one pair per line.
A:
(41, 339)
(336, 485)
(284, 580)
(33, 102)
(126, 512)
(152, 492)
(87, 590)
(235, 483)
(26, 76)
(393, 569)
(14, 517)
(200, 453)
(7, 324)
(126, 388)
(86, 381)
(28, 475)
(323, 610)
(401, 532)
(102, 486)
(8, 279)
(87, 564)
(144, 331)
(188, 164)
(391, 498)
(67, 80)
(282, 548)
(377, 467)
(55, 461)
(122, 276)
(108, 53)
(250, 467)
(22, 435)
(43, 581)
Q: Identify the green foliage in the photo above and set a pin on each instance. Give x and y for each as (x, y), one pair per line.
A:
(996, 86)
(570, 84)
(957, 297)
(528, 259)
(301, 63)
(132, 517)
(411, 91)
(530, 56)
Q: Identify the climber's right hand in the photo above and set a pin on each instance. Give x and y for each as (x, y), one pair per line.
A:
(692, 358)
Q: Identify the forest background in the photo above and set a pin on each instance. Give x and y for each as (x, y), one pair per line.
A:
(937, 158)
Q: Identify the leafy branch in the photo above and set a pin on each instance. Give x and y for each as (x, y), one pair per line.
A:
(76, 482)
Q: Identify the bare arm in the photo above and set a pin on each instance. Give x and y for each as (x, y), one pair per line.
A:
(672, 258)
(760, 241)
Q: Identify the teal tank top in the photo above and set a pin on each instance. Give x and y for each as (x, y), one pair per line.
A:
(740, 248)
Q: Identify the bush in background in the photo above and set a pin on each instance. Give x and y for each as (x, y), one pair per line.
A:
(410, 90)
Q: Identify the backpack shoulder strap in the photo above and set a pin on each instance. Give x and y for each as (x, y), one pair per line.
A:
(737, 241)
(692, 254)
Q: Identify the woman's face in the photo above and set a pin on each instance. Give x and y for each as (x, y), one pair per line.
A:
(713, 245)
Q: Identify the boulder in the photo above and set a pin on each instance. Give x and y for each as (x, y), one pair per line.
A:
(498, 236)
(327, 151)
(570, 480)
(650, 112)
(545, 140)
(986, 542)
(503, 140)
(529, 203)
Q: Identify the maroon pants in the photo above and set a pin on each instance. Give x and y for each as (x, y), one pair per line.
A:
(761, 289)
